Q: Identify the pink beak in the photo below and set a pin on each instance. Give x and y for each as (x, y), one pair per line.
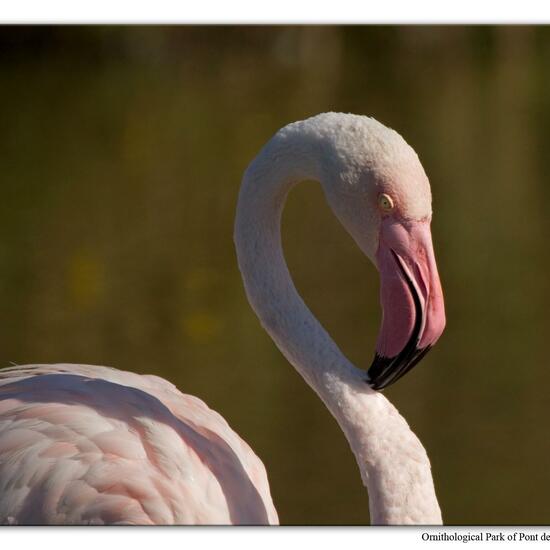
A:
(412, 300)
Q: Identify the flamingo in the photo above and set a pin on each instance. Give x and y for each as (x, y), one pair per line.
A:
(86, 444)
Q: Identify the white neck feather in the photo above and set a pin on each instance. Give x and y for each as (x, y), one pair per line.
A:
(393, 463)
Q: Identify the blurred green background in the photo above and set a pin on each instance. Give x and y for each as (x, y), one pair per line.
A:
(122, 150)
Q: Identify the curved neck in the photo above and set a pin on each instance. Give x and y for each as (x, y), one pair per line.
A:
(393, 464)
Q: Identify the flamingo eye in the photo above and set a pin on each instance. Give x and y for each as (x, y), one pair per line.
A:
(385, 202)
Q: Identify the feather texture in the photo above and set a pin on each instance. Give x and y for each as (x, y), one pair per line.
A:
(82, 444)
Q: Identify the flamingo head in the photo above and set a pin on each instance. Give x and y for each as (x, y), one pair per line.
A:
(378, 189)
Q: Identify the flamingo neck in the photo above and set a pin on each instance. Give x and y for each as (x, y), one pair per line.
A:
(393, 463)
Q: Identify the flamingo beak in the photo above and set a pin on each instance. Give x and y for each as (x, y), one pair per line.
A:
(412, 300)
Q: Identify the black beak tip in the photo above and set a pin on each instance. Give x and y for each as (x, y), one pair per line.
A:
(376, 374)
(384, 371)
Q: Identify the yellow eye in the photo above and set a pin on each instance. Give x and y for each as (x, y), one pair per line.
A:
(385, 202)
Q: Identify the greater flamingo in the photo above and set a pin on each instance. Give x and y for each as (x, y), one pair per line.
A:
(85, 444)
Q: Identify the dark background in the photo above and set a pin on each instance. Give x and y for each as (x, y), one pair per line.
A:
(122, 150)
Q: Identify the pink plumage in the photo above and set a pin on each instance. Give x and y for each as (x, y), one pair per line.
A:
(83, 444)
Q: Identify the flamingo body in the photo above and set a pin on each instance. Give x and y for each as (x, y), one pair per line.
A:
(82, 444)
